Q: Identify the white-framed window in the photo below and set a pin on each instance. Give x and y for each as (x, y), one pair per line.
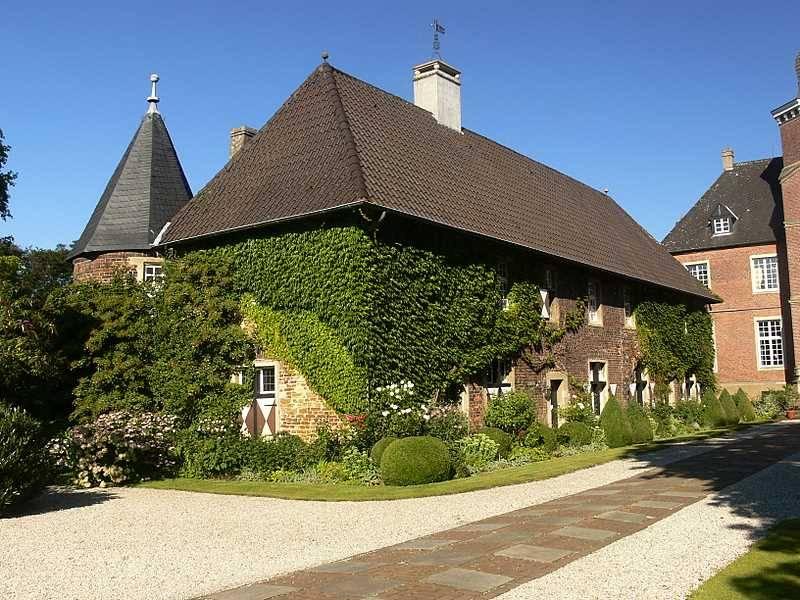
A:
(721, 225)
(700, 271)
(266, 381)
(502, 282)
(764, 273)
(769, 342)
(498, 377)
(593, 308)
(598, 384)
(627, 306)
(153, 272)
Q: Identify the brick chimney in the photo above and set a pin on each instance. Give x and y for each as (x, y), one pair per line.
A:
(727, 159)
(239, 138)
(788, 119)
(437, 89)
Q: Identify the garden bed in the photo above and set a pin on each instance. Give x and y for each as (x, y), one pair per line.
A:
(481, 481)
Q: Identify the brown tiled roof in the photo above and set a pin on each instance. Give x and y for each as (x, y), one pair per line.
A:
(339, 141)
(750, 193)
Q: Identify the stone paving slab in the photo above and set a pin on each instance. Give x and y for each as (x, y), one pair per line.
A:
(489, 557)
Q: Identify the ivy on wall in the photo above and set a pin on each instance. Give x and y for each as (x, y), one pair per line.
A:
(676, 341)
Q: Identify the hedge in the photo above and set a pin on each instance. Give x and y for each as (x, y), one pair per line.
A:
(713, 413)
(641, 431)
(615, 424)
(379, 447)
(541, 436)
(729, 407)
(746, 411)
(503, 440)
(574, 433)
(23, 466)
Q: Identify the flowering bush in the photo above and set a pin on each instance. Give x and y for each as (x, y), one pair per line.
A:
(512, 412)
(400, 412)
(474, 453)
(579, 409)
(448, 423)
(118, 448)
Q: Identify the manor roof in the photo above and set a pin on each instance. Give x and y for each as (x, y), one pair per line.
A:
(339, 142)
(750, 194)
(147, 188)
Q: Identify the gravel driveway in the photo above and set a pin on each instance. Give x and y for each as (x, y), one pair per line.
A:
(153, 544)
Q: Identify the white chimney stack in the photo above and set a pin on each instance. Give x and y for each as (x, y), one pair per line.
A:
(437, 89)
(727, 159)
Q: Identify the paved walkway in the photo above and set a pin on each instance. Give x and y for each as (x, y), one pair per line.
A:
(487, 558)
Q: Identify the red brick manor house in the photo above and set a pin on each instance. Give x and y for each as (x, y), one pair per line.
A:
(742, 241)
(340, 149)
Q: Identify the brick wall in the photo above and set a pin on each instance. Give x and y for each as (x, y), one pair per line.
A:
(103, 266)
(734, 326)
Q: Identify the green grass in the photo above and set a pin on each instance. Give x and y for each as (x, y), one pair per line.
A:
(335, 492)
(769, 571)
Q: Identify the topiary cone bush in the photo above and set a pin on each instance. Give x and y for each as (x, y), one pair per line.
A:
(729, 407)
(641, 430)
(574, 433)
(380, 446)
(541, 436)
(415, 460)
(615, 424)
(504, 440)
(746, 411)
(713, 413)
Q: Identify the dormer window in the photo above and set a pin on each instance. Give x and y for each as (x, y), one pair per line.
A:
(722, 225)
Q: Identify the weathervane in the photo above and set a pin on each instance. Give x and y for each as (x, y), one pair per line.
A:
(437, 29)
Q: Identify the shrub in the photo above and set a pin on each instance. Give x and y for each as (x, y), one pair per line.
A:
(283, 452)
(688, 412)
(119, 448)
(415, 460)
(22, 457)
(615, 424)
(503, 440)
(640, 423)
(358, 468)
(713, 413)
(664, 415)
(474, 453)
(579, 409)
(745, 407)
(541, 436)
(377, 450)
(771, 405)
(574, 433)
(729, 408)
(511, 412)
(448, 424)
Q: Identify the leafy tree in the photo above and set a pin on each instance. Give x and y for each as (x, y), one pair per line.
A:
(7, 179)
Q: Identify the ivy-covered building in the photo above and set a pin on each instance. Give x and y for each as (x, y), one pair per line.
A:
(375, 240)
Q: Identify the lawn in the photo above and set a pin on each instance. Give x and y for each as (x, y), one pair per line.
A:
(524, 474)
(769, 571)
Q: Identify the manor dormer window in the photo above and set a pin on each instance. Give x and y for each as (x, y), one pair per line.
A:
(722, 225)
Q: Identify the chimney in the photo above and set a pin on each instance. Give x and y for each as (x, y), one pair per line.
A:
(727, 159)
(437, 89)
(240, 136)
(788, 118)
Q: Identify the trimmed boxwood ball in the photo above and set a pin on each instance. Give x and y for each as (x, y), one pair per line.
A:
(746, 411)
(615, 424)
(729, 407)
(415, 460)
(541, 436)
(640, 424)
(379, 447)
(574, 433)
(504, 441)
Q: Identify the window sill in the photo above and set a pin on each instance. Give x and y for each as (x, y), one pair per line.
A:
(775, 291)
(775, 368)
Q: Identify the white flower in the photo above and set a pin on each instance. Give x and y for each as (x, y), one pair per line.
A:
(393, 406)
(580, 405)
(426, 417)
(385, 413)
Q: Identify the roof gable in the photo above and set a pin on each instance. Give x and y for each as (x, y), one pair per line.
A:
(750, 194)
(360, 143)
(147, 188)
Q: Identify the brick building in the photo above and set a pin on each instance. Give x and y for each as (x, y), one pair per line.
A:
(341, 149)
(146, 190)
(741, 241)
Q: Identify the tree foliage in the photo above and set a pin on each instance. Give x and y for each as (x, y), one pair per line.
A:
(7, 179)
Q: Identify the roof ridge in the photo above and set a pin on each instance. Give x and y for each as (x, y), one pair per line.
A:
(357, 169)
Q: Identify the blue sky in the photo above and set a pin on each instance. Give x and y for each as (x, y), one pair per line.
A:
(636, 97)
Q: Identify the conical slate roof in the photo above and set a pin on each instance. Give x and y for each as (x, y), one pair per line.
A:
(339, 142)
(146, 190)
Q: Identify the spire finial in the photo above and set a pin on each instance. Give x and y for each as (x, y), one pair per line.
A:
(325, 55)
(153, 98)
(437, 29)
